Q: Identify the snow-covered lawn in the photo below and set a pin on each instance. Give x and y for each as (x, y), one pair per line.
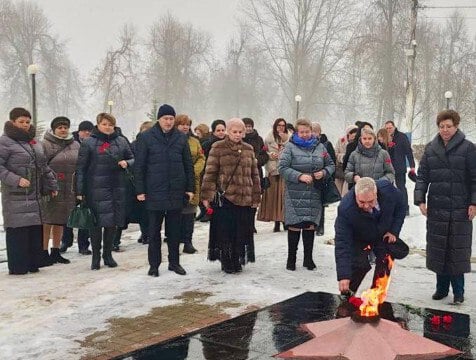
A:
(44, 315)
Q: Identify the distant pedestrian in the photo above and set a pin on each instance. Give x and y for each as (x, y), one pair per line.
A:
(340, 147)
(400, 151)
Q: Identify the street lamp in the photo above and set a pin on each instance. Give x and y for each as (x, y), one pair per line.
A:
(448, 96)
(110, 103)
(32, 70)
(298, 99)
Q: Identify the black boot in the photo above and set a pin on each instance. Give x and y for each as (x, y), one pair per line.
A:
(96, 248)
(277, 226)
(308, 242)
(189, 249)
(45, 259)
(320, 228)
(145, 239)
(117, 240)
(108, 240)
(57, 258)
(293, 241)
(250, 251)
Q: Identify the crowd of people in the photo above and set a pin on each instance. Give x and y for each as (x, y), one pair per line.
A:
(235, 177)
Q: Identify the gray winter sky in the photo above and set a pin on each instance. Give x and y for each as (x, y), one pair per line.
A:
(91, 26)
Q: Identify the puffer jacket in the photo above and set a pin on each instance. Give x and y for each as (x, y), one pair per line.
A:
(302, 202)
(21, 156)
(446, 182)
(163, 169)
(374, 163)
(61, 155)
(198, 160)
(101, 179)
(273, 147)
(241, 188)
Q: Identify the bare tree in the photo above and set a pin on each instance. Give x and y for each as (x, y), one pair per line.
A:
(25, 38)
(304, 39)
(117, 77)
(244, 84)
(177, 64)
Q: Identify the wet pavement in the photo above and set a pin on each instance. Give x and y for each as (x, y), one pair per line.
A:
(264, 333)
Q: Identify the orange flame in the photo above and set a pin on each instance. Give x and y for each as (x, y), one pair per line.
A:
(373, 297)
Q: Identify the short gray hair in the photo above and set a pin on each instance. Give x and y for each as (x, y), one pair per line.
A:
(365, 185)
(235, 122)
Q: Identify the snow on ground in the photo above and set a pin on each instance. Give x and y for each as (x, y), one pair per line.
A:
(44, 315)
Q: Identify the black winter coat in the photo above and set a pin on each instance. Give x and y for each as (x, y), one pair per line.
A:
(355, 228)
(163, 168)
(448, 175)
(258, 146)
(101, 180)
(400, 151)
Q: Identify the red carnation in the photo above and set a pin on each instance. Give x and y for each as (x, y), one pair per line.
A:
(32, 142)
(435, 320)
(388, 161)
(391, 144)
(104, 147)
(325, 154)
(209, 211)
(342, 139)
(447, 319)
(356, 301)
(264, 148)
(60, 176)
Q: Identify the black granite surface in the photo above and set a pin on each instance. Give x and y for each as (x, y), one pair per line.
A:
(272, 330)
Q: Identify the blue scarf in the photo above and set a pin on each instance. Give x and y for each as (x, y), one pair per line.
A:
(306, 144)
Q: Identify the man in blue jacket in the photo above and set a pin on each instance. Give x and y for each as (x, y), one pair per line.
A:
(164, 179)
(400, 151)
(369, 217)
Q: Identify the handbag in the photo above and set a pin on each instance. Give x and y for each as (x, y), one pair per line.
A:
(81, 217)
(329, 192)
(219, 197)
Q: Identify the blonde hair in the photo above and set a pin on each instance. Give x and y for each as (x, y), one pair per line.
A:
(367, 131)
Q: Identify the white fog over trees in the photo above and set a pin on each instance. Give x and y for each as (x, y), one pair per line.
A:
(347, 59)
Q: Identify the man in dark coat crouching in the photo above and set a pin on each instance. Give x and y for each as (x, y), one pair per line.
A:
(369, 217)
(164, 179)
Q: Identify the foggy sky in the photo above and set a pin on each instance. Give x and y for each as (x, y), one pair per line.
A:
(90, 27)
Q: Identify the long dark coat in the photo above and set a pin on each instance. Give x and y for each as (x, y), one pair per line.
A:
(400, 151)
(101, 180)
(61, 155)
(163, 168)
(446, 182)
(22, 157)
